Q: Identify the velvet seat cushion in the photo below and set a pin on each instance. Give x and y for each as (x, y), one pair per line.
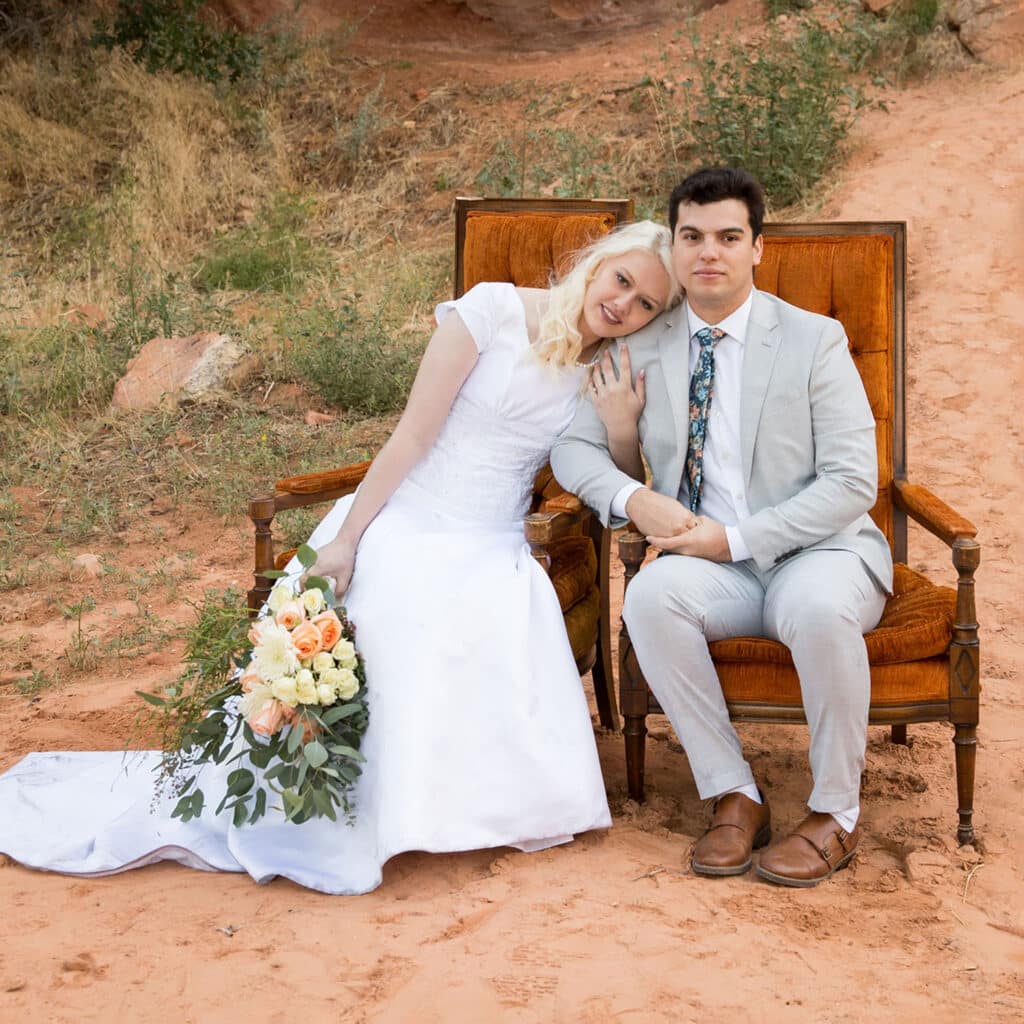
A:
(917, 624)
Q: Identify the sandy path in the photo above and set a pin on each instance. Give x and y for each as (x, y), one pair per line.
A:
(614, 927)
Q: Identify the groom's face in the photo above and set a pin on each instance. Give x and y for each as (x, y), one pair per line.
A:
(714, 254)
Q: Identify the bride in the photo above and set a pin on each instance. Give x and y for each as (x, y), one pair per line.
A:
(479, 731)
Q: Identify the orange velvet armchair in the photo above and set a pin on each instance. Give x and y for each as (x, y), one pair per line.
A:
(924, 653)
(519, 241)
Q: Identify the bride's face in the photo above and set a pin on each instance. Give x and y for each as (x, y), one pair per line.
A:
(627, 292)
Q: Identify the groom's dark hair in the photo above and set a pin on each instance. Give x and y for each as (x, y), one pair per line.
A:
(712, 185)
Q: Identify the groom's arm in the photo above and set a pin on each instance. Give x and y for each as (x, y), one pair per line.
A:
(583, 465)
(844, 483)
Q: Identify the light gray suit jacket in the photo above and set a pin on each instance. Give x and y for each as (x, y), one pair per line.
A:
(807, 435)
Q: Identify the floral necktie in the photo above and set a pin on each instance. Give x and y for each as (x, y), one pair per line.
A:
(701, 384)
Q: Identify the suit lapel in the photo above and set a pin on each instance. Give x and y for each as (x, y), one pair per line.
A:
(674, 352)
(759, 353)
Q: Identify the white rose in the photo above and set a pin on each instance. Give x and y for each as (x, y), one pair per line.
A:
(305, 685)
(344, 653)
(278, 596)
(325, 693)
(345, 683)
(323, 661)
(252, 701)
(313, 600)
(285, 690)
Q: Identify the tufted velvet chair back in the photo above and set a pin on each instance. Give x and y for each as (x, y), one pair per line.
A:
(854, 273)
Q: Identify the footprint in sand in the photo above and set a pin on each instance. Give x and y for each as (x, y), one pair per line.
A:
(79, 971)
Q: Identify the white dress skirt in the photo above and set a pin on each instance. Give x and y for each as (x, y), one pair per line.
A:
(479, 732)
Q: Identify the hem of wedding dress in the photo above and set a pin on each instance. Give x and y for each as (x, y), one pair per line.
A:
(162, 854)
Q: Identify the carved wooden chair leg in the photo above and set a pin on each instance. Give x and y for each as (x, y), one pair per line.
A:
(262, 512)
(899, 735)
(601, 673)
(633, 703)
(965, 739)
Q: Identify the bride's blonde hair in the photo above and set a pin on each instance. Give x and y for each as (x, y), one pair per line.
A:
(559, 341)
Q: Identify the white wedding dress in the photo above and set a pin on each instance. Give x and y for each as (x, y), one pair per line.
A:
(479, 732)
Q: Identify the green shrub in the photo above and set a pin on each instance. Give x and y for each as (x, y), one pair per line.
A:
(271, 254)
(351, 359)
(776, 7)
(174, 35)
(780, 110)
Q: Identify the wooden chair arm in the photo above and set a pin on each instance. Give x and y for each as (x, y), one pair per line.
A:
(311, 488)
(543, 528)
(931, 512)
(632, 549)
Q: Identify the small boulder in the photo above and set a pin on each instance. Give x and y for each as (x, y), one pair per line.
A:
(88, 565)
(167, 370)
(992, 30)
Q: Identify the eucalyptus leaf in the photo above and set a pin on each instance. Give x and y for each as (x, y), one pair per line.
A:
(152, 698)
(316, 753)
(240, 781)
(240, 814)
(260, 806)
(294, 738)
(338, 712)
(306, 556)
(273, 574)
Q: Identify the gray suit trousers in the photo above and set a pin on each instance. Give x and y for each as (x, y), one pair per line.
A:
(818, 603)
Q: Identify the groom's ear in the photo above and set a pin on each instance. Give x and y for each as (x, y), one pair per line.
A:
(758, 249)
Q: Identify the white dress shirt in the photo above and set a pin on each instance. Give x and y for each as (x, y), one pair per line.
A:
(724, 496)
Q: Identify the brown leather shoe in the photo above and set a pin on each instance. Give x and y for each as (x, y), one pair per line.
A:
(739, 825)
(816, 850)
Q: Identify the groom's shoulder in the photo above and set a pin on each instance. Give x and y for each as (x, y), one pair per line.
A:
(649, 336)
(794, 319)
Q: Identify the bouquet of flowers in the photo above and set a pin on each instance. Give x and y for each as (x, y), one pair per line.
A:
(294, 708)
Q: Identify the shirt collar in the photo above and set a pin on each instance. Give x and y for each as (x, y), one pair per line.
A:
(735, 324)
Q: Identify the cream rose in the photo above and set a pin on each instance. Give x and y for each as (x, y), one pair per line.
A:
(312, 600)
(323, 661)
(344, 654)
(280, 595)
(286, 690)
(325, 693)
(253, 700)
(343, 681)
(305, 686)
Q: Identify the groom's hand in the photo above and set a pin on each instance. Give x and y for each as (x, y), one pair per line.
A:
(657, 515)
(707, 539)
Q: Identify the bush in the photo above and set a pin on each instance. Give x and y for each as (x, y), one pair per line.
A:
(173, 35)
(781, 109)
(351, 360)
(271, 254)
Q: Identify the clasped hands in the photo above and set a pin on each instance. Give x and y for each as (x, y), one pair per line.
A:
(671, 526)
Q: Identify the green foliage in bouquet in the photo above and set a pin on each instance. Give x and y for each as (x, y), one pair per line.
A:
(310, 760)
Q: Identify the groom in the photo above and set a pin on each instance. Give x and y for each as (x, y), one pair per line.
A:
(761, 445)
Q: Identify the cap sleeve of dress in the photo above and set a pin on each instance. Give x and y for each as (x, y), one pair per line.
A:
(479, 309)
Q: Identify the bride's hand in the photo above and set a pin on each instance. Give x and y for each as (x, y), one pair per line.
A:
(618, 402)
(335, 561)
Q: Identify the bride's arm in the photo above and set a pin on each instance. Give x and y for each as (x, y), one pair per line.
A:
(619, 404)
(447, 362)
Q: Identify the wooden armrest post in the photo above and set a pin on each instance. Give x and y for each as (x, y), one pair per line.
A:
(633, 700)
(964, 682)
(261, 512)
(537, 527)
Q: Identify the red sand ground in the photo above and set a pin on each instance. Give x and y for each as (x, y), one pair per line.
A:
(615, 927)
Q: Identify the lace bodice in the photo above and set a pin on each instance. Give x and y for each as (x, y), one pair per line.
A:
(504, 419)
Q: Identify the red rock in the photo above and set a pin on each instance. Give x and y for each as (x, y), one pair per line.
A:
(168, 369)
(318, 419)
(992, 30)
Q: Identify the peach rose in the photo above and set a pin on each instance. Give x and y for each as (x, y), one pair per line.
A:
(330, 627)
(290, 614)
(307, 640)
(269, 719)
(249, 679)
